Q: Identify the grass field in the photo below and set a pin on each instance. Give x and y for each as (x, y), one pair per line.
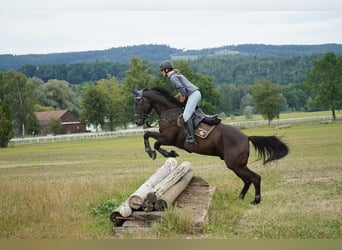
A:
(51, 190)
(258, 117)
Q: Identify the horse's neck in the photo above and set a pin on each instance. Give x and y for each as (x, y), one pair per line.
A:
(163, 106)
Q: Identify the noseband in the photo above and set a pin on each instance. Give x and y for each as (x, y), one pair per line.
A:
(144, 115)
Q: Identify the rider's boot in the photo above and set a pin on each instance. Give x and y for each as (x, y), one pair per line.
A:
(191, 134)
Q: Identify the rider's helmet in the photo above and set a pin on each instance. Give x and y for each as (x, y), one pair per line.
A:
(166, 65)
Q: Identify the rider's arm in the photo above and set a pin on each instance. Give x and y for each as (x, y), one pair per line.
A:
(180, 97)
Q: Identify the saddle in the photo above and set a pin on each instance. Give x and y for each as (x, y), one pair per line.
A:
(199, 116)
(204, 123)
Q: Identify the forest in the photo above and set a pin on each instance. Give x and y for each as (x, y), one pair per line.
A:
(227, 78)
(230, 69)
(155, 53)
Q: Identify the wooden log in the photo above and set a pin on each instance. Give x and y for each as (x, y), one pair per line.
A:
(149, 202)
(172, 178)
(173, 192)
(136, 200)
(167, 183)
(150, 216)
(120, 214)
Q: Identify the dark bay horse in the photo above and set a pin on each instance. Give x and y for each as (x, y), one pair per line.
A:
(225, 141)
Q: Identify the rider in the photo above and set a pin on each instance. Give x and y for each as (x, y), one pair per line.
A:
(187, 92)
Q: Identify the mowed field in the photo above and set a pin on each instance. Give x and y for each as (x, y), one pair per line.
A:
(51, 190)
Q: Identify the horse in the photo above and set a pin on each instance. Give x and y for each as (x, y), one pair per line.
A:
(224, 141)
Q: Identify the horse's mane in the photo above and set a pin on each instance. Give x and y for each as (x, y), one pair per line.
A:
(164, 92)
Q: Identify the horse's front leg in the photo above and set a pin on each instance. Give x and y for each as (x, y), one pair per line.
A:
(148, 149)
(164, 152)
(161, 139)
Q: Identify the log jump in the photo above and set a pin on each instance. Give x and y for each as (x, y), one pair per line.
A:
(156, 194)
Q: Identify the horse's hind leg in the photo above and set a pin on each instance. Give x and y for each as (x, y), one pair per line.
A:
(248, 177)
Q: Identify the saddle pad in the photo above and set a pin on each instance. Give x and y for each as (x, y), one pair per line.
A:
(203, 130)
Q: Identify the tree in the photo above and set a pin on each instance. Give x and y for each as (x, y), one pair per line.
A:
(114, 108)
(324, 82)
(6, 129)
(21, 100)
(55, 126)
(268, 99)
(138, 76)
(57, 94)
(296, 97)
(227, 91)
(247, 102)
(93, 106)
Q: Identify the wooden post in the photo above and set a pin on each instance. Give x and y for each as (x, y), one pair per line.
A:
(136, 200)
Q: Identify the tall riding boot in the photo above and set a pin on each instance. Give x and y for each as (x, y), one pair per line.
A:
(191, 134)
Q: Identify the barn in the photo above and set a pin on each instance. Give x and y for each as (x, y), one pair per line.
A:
(69, 121)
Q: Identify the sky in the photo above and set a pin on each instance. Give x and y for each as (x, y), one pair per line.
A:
(45, 26)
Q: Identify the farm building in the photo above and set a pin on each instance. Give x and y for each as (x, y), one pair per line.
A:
(69, 121)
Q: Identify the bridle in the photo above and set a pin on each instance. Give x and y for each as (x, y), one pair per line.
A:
(142, 116)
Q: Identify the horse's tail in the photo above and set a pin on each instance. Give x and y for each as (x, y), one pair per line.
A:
(270, 148)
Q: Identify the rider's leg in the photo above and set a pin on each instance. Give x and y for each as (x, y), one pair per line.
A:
(191, 134)
(189, 109)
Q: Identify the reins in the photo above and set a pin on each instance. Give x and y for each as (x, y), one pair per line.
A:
(172, 118)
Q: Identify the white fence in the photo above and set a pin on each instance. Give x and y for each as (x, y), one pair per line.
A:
(72, 137)
(281, 122)
(128, 132)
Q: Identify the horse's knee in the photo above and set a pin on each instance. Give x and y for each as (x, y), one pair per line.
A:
(146, 136)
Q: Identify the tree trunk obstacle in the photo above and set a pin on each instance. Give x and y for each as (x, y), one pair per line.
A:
(136, 200)
(160, 191)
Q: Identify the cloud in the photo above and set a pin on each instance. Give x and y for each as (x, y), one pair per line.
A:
(47, 31)
(174, 5)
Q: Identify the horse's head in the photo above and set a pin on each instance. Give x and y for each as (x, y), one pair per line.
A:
(157, 98)
(142, 107)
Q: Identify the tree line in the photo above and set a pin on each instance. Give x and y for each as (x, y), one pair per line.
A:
(156, 53)
(76, 73)
(108, 102)
(228, 69)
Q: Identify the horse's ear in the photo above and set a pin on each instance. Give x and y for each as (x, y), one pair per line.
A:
(138, 93)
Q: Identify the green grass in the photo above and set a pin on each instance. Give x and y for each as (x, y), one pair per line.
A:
(291, 115)
(51, 190)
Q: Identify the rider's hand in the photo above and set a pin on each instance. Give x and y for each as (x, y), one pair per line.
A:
(180, 97)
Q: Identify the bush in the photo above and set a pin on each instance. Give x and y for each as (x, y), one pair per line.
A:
(6, 129)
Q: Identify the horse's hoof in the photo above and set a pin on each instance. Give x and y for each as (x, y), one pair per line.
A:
(256, 200)
(153, 155)
(173, 153)
(241, 196)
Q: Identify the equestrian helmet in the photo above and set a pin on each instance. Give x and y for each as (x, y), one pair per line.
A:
(166, 65)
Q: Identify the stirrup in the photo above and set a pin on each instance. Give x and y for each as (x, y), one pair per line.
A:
(191, 140)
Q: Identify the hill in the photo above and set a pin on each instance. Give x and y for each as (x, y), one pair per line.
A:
(156, 53)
